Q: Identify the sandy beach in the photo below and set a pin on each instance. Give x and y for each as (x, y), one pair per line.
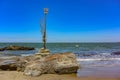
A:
(102, 66)
(14, 75)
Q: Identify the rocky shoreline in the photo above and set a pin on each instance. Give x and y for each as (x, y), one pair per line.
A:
(12, 47)
(36, 65)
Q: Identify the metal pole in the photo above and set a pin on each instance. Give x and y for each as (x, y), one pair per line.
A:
(44, 37)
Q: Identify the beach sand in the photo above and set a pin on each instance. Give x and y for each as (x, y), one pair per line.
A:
(14, 75)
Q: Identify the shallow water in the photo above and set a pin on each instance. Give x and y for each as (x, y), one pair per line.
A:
(102, 72)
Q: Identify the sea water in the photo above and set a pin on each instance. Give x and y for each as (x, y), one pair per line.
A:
(92, 54)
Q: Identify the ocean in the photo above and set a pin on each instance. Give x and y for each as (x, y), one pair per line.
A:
(92, 54)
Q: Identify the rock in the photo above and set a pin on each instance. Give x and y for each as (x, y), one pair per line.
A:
(116, 53)
(55, 63)
(13, 64)
(24, 60)
(66, 63)
(2, 49)
(43, 52)
(8, 65)
(18, 48)
(36, 65)
(35, 68)
(87, 55)
(11, 47)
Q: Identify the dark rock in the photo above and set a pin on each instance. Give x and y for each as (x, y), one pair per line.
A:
(16, 48)
(13, 64)
(116, 53)
(2, 49)
(8, 65)
(87, 55)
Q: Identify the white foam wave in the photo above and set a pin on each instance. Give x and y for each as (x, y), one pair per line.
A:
(26, 54)
(7, 57)
(98, 59)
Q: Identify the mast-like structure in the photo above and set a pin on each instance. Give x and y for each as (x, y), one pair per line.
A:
(44, 33)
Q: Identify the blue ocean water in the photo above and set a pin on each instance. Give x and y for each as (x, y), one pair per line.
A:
(79, 48)
(92, 54)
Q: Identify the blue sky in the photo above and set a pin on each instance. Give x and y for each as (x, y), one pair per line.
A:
(67, 20)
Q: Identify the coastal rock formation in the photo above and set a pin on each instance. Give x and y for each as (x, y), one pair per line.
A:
(35, 65)
(12, 64)
(56, 63)
(43, 52)
(11, 47)
(16, 63)
(1, 49)
(116, 53)
(8, 65)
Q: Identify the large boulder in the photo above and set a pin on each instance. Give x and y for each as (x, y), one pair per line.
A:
(55, 63)
(16, 63)
(12, 47)
(13, 63)
(36, 65)
(66, 63)
(8, 65)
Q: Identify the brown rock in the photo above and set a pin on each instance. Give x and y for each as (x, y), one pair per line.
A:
(11, 47)
(64, 63)
(8, 65)
(56, 63)
(13, 64)
(36, 65)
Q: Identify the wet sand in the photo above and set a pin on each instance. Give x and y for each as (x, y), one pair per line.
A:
(14, 75)
(100, 72)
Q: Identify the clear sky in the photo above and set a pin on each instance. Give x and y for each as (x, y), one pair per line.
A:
(67, 20)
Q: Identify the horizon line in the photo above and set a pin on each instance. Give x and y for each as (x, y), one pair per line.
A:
(63, 42)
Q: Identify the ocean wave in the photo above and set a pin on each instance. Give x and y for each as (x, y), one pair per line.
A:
(99, 62)
(99, 59)
(7, 57)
